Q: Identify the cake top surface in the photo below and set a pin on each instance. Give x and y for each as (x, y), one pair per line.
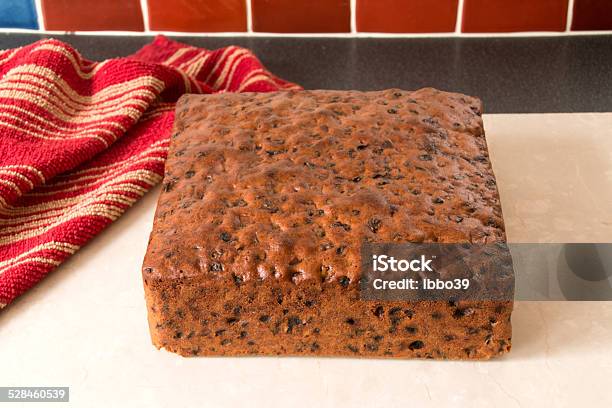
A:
(288, 185)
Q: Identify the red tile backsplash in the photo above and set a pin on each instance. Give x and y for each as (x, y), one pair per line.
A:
(319, 16)
(487, 16)
(197, 15)
(592, 15)
(301, 16)
(406, 16)
(92, 15)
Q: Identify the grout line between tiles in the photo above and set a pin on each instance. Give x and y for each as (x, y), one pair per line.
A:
(459, 22)
(353, 6)
(570, 15)
(144, 6)
(313, 35)
(39, 15)
(249, 16)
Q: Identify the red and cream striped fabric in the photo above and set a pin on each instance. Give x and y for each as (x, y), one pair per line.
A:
(81, 141)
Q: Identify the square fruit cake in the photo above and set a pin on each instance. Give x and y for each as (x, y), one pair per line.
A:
(267, 198)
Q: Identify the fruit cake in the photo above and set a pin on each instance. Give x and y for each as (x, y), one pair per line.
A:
(267, 199)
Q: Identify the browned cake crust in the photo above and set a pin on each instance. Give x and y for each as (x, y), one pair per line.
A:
(267, 199)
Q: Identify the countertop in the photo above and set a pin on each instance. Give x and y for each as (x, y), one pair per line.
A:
(511, 75)
(85, 325)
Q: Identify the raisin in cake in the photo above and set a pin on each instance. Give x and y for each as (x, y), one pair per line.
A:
(267, 198)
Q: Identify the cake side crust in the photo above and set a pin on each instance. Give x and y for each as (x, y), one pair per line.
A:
(194, 318)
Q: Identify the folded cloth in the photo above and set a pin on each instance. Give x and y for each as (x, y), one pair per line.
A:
(81, 141)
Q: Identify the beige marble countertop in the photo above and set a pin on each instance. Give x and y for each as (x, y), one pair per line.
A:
(85, 325)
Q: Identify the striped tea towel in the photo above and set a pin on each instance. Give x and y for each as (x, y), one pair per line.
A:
(81, 141)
